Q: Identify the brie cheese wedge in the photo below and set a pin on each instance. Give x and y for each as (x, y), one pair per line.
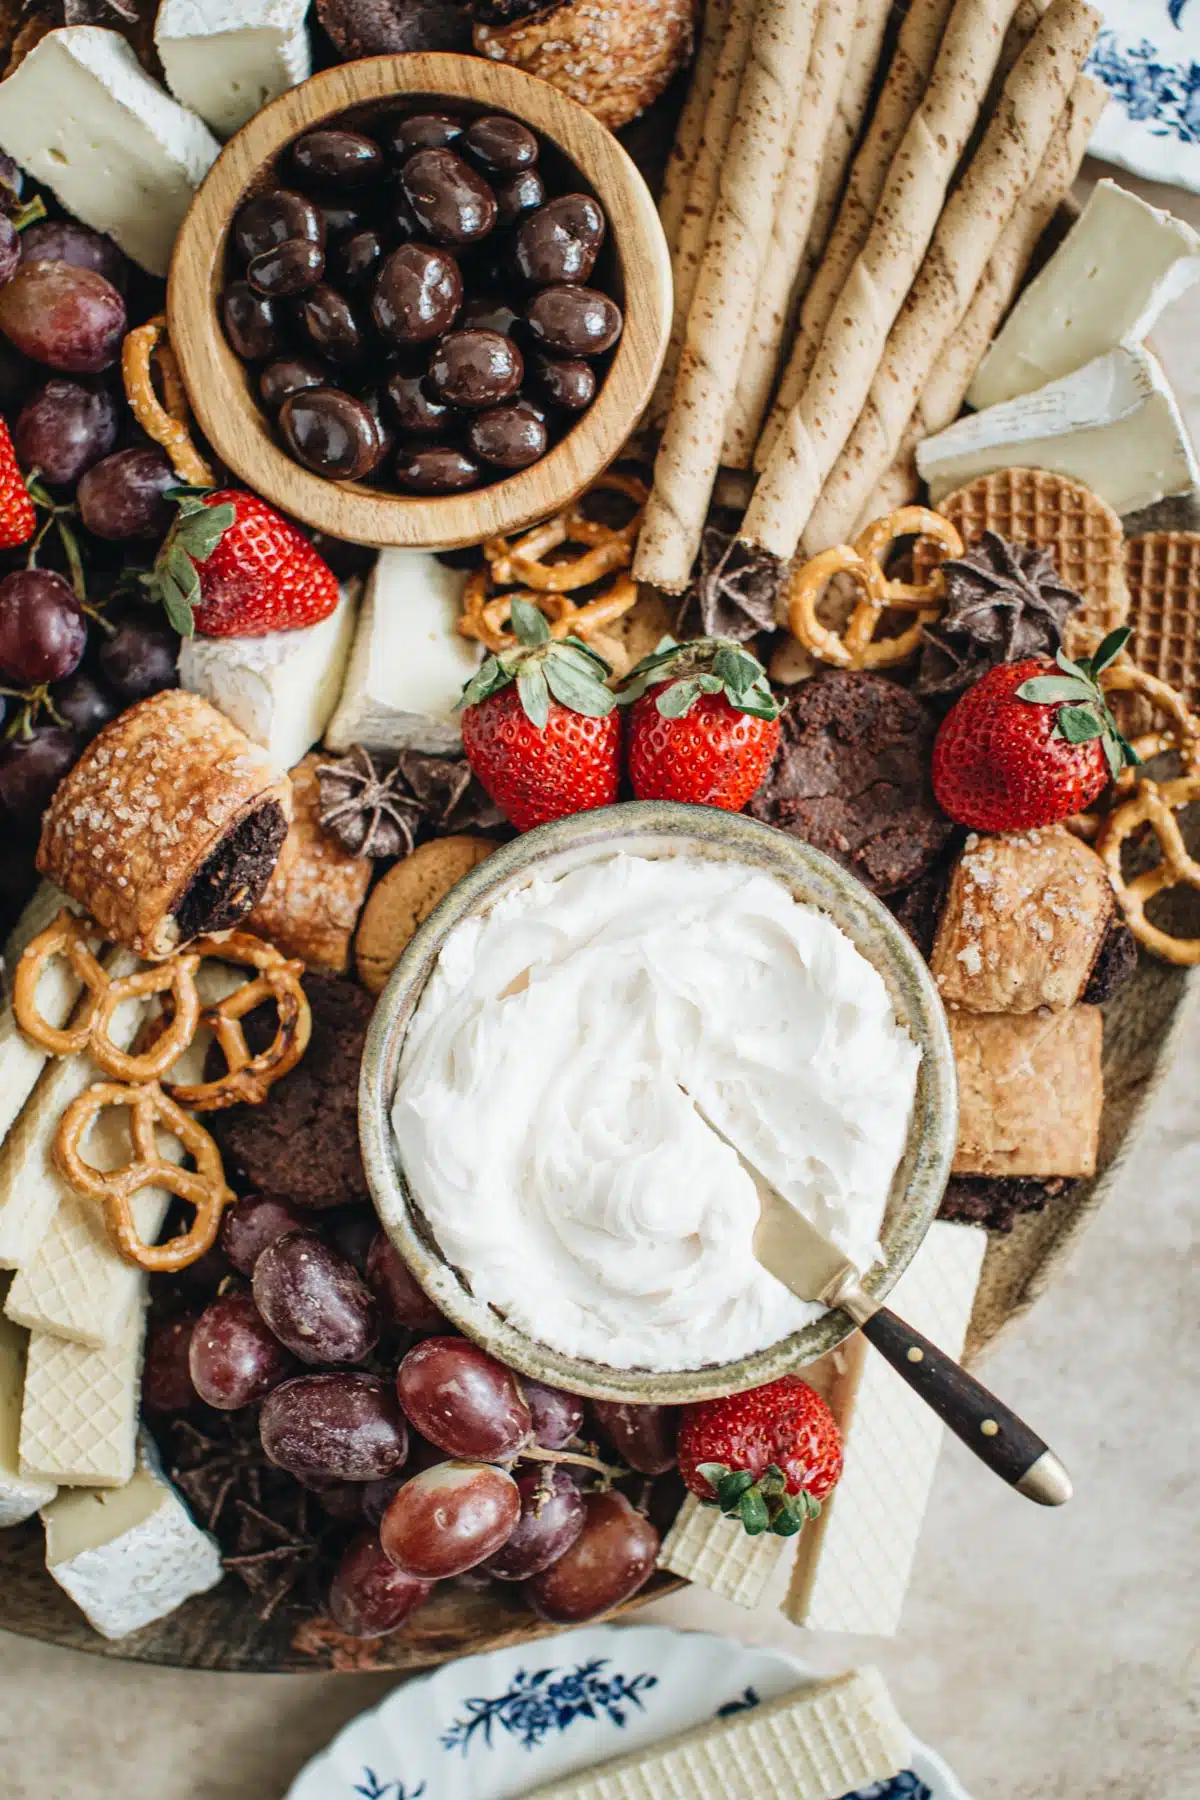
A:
(129, 1555)
(226, 58)
(409, 663)
(20, 1495)
(280, 689)
(1113, 425)
(1121, 264)
(81, 115)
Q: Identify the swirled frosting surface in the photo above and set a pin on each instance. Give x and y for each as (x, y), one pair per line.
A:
(551, 1105)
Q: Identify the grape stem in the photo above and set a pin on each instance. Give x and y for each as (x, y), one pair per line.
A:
(609, 1472)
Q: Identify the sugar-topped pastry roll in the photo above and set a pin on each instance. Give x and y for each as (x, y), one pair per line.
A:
(168, 826)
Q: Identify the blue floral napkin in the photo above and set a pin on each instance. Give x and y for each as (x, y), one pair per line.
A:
(1148, 55)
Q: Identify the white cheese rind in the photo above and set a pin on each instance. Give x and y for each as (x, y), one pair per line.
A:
(409, 663)
(80, 1413)
(20, 1495)
(30, 1185)
(1121, 264)
(854, 1563)
(20, 1061)
(1113, 425)
(280, 689)
(129, 1555)
(226, 58)
(82, 117)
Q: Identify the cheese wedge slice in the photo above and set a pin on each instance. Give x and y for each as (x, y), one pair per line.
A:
(79, 1417)
(280, 689)
(1114, 425)
(1120, 265)
(20, 1061)
(226, 58)
(129, 1555)
(20, 1495)
(409, 663)
(81, 115)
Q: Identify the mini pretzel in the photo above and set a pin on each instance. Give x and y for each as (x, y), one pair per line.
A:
(519, 567)
(1181, 734)
(165, 420)
(249, 1078)
(68, 936)
(1154, 804)
(857, 647)
(203, 1188)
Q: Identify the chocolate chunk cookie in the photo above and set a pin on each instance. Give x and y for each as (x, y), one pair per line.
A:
(851, 776)
(997, 1201)
(302, 1142)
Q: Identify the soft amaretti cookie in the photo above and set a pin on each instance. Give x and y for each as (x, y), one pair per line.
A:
(1030, 1091)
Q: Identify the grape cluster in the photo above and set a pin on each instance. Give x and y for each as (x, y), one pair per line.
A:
(432, 1460)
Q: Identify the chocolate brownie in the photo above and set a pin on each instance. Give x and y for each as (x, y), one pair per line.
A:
(997, 1201)
(386, 27)
(852, 777)
(919, 907)
(1115, 962)
(302, 1142)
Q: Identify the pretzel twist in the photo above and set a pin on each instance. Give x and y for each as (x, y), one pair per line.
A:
(1154, 804)
(248, 1079)
(203, 1188)
(857, 647)
(165, 420)
(519, 567)
(1180, 733)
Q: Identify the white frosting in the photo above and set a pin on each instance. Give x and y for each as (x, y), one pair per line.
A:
(544, 1122)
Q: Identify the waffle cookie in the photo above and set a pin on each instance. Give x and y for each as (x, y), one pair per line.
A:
(1032, 506)
(1162, 573)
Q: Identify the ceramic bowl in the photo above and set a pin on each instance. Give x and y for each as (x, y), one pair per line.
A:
(663, 828)
(635, 268)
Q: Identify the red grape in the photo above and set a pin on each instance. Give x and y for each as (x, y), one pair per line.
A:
(43, 633)
(139, 658)
(84, 704)
(64, 241)
(167, 1385)
(122, 495)
(30, 770)
(377, 1496)
(370, 1596)
(643, 1436)
(10, 247)
(404, 1303)
(463, 1400)
(233, 1358)
(557, 1417)
(340, 1424)
(68, 318)
(552, 1517)
(351, 1230)
(449, 1518)
(314, 1301)
(63, 429)
(609, 1560)
(253, 1223)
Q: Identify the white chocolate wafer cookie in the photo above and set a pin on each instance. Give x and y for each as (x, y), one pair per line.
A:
(79, 1420)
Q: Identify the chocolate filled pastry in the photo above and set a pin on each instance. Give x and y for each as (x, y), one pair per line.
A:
(168, 826)
(997, 1201)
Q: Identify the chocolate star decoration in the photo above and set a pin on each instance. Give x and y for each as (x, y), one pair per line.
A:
(381, 813)
(734, 590)
(1004, 601)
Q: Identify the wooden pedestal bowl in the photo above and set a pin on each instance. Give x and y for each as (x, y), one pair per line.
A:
(634, 268)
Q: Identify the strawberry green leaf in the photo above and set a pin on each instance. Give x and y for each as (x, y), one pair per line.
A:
(713, 1472)
(535, 694)
(488, 679)
(676, 701)
(754, 1515)
(529, 623)
(1110, 648)
(574, 649)
(1079, 725)
(1071, 668)
(1044, 690)
(735, 670)
(787, 1521)
(582, 693)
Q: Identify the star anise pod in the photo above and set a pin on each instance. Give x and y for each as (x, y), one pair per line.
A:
(734, 590)
(366, 810)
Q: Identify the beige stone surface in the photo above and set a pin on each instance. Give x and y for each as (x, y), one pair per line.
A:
(1049, 1656)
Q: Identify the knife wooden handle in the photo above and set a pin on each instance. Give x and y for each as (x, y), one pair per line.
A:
(985, 1425)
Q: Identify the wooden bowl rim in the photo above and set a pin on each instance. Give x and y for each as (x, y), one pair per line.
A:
(240, 431)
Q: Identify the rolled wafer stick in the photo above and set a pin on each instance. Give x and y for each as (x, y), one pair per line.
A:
(789, 231)
(942, 397)
(696, 219)
(849, 116)
(1004, 165)
(690, 130)
(907, 79)
(817, 427)
(690, 452)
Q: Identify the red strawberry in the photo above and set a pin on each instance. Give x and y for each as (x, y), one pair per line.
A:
(539, 726)
(702, 726)
(18, 521)
(1030, 743)
(768, 1457)
(231, 566)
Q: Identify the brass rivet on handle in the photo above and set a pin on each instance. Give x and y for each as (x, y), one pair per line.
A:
(990, 1428)
(915, 1353)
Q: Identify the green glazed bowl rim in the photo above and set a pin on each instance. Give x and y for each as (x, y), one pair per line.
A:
(658, 828)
